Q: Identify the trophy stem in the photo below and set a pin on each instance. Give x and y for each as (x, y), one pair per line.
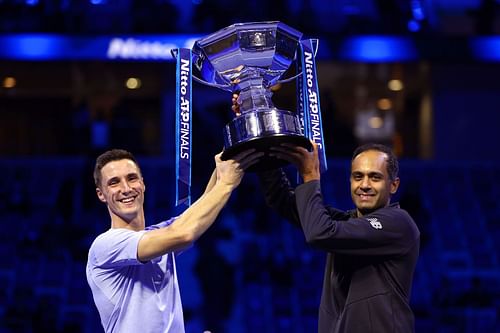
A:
(255, 97)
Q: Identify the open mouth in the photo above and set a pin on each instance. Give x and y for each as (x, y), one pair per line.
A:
(128, 200)
(364, 196)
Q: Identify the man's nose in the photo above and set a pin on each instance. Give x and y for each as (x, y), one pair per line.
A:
(125, 186)
(365, 183)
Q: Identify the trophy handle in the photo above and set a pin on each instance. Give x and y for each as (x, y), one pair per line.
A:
(289, 79)
(315, 42)
(216, 85)
(197, 79)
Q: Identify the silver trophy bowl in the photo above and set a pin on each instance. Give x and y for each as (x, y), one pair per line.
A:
(248, 59)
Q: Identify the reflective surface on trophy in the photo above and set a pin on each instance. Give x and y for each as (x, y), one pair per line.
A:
(249, 58)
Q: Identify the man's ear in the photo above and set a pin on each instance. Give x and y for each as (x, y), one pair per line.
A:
(395, 185)
(100, 195)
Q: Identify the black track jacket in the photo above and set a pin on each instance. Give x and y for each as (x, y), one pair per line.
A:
(370, 261)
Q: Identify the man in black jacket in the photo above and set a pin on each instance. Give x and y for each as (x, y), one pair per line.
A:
(371, 251)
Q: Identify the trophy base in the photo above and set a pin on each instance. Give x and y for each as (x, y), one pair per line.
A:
(262, 144)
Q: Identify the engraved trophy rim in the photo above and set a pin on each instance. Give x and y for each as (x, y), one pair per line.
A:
(216, 68)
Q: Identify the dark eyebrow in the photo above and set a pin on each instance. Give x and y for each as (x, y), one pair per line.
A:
(133, 174)
(376, 174)
(370, 174)
(110, 180)
(128, 176)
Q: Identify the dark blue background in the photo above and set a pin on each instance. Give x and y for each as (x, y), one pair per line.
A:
(251, 272)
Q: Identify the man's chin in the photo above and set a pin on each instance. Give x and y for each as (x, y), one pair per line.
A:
(127, 215)
(365, 210)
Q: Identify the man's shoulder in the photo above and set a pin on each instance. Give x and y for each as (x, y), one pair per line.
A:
(111, 232)
(115, 247)
(401, 216)
(99, 238)
(396, 210)
(113, 235)
(403, 213)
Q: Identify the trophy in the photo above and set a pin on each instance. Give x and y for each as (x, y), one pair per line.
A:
(248, 59)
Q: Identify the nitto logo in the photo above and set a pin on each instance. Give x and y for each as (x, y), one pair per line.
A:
(375, 223)
(131, 48)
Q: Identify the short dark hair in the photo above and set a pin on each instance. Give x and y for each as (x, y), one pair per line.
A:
(110, 156)
(392, 161)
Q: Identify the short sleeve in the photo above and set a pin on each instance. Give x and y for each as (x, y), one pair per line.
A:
(162, 224)
(116, 248)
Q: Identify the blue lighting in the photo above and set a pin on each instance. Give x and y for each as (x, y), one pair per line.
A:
(413, 26)
(46, 47)
(56, 47)
(29, 47)
(486, 48)
(378, 49)
(417, 10)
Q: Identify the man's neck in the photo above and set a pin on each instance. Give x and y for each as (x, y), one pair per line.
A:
(135, 224)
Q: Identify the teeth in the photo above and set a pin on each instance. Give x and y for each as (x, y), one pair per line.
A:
(128, 200)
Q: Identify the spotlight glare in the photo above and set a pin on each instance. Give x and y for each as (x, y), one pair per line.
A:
(384, 104)
(133, 83)
(376, 122)
(395, 85)
(9, 82)
(413, 26)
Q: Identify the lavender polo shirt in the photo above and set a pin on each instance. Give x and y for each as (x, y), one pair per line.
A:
(132, 296)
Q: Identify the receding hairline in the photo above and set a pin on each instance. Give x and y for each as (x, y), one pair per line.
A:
(392, 164)
(374, 150)
(385, 156)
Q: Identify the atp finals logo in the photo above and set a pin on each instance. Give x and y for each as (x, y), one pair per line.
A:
(313, 100)
(375, 223)
(185, 108)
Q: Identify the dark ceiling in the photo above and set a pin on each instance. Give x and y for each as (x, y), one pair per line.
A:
(325, 17)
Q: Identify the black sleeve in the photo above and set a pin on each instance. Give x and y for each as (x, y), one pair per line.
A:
(387, 231)
(279, 194)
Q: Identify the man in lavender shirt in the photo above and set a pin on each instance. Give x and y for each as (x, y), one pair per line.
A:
(131, 267)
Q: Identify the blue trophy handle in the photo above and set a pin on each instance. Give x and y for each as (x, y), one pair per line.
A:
(216, 85)
(197, 79)
(289, 79)
(315, 42)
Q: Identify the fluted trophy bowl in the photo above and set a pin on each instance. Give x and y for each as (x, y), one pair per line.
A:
(248, 59)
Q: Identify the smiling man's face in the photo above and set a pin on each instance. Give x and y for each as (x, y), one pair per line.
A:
(122, 189)
(371, 186)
